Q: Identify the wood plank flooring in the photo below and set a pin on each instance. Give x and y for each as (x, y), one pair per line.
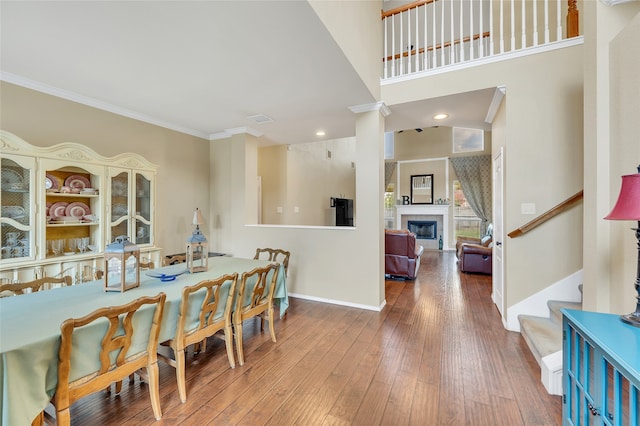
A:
(436, 355)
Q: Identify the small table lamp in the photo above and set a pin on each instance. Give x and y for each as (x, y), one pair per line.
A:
(628, 208)
(197, 247)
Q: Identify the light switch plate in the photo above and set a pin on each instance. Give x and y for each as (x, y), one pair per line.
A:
(528, 208)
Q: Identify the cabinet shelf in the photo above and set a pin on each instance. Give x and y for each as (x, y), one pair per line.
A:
(61, 225)
(32, 177)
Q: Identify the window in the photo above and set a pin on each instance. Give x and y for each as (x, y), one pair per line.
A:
(466, 223)
(467, 140)
(389, 206)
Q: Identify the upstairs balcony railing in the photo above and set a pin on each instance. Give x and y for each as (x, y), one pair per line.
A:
(433, 34)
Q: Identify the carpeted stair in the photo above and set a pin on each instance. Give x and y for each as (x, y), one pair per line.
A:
(544, 336)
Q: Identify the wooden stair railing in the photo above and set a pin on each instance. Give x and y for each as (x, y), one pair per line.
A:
(562, 207)
(437, 46)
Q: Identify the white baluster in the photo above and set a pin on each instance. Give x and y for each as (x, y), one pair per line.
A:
(426, 51)
(417, 58)
(442, 34)
(481, 39)
(524, 25)
(401, 45)
(409, 41)
(386, 40)
(453, 36)
(393, 46)
(502, 26)
(491, 28)
(472, 53)
(559, 20)
(546, 21)
(513, 25)
(535, 23)
(433, 51)
(461, 47)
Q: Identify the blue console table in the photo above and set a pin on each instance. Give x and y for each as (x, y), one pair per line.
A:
(601, 370)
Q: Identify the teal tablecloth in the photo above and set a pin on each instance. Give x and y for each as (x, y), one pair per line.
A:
(30, 329)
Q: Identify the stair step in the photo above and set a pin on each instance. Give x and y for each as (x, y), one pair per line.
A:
(543, 335)
(556, 305)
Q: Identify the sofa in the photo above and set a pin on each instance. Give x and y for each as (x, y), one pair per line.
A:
(475, 255)
(401, 254)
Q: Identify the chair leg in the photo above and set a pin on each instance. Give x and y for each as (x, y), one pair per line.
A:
(228, 342)
(180, 375)
(239, 349)
(272, 328)
(154, 389)
(63, 417)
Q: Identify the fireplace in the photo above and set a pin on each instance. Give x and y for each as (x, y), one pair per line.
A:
(424, 229)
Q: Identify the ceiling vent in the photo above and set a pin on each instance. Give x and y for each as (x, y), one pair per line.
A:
(260, 118)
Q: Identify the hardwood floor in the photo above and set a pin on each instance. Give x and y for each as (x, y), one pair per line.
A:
(436, 355)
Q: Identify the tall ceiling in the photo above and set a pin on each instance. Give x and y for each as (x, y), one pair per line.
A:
(199, 67)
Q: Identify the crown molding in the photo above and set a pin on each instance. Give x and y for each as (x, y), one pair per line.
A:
(85, 100)
(495, 103)
(615, 2)
(227, 133)
(377, 106)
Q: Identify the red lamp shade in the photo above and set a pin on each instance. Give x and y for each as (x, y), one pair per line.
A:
(628, 205)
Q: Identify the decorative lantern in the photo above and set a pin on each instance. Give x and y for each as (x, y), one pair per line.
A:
(197, 247)
(122, 265)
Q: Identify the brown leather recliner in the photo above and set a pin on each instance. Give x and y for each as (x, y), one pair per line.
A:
(401, 254)
(475, 254)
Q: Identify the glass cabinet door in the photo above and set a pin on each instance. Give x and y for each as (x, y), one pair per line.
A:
(119, 205)
(17, 204)
(142, 218)
(131, 205)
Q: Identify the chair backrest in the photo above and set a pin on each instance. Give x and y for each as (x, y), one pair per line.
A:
(35, 285)
(146, 265)
(399, 243)
(274, 255)
(213, 300)
(255, 291)
(116, 344)
(171, 260)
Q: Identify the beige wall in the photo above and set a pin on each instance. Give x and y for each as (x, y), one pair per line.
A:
(431, 143)
(356, 28)
(183, 169)
(543, 156)
(625, 158)
(605, 158)
(301, 178)
(327, 263)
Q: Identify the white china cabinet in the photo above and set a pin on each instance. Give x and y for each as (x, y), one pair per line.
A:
(62, 205)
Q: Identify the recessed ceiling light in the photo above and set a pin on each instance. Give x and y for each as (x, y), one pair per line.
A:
(440, 116)
(320, 133)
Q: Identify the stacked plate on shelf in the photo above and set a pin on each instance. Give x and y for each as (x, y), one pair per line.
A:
(63, 212)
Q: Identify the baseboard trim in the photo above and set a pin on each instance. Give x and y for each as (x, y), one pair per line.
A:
(340, 302)
(566, 289)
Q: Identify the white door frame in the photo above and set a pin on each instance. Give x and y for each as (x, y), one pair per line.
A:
(497, 293)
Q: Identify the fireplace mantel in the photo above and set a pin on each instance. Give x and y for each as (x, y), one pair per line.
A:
(441, 210)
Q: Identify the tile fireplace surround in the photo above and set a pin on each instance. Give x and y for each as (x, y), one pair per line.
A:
(438, 212)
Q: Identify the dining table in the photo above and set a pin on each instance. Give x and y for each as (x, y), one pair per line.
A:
(30, 327)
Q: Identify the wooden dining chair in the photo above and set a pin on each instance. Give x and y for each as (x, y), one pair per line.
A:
(274, 255)
(35, 285)
(205, 310)
(146, 265)
(254, 298)
(172, 260)
(116, 342)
